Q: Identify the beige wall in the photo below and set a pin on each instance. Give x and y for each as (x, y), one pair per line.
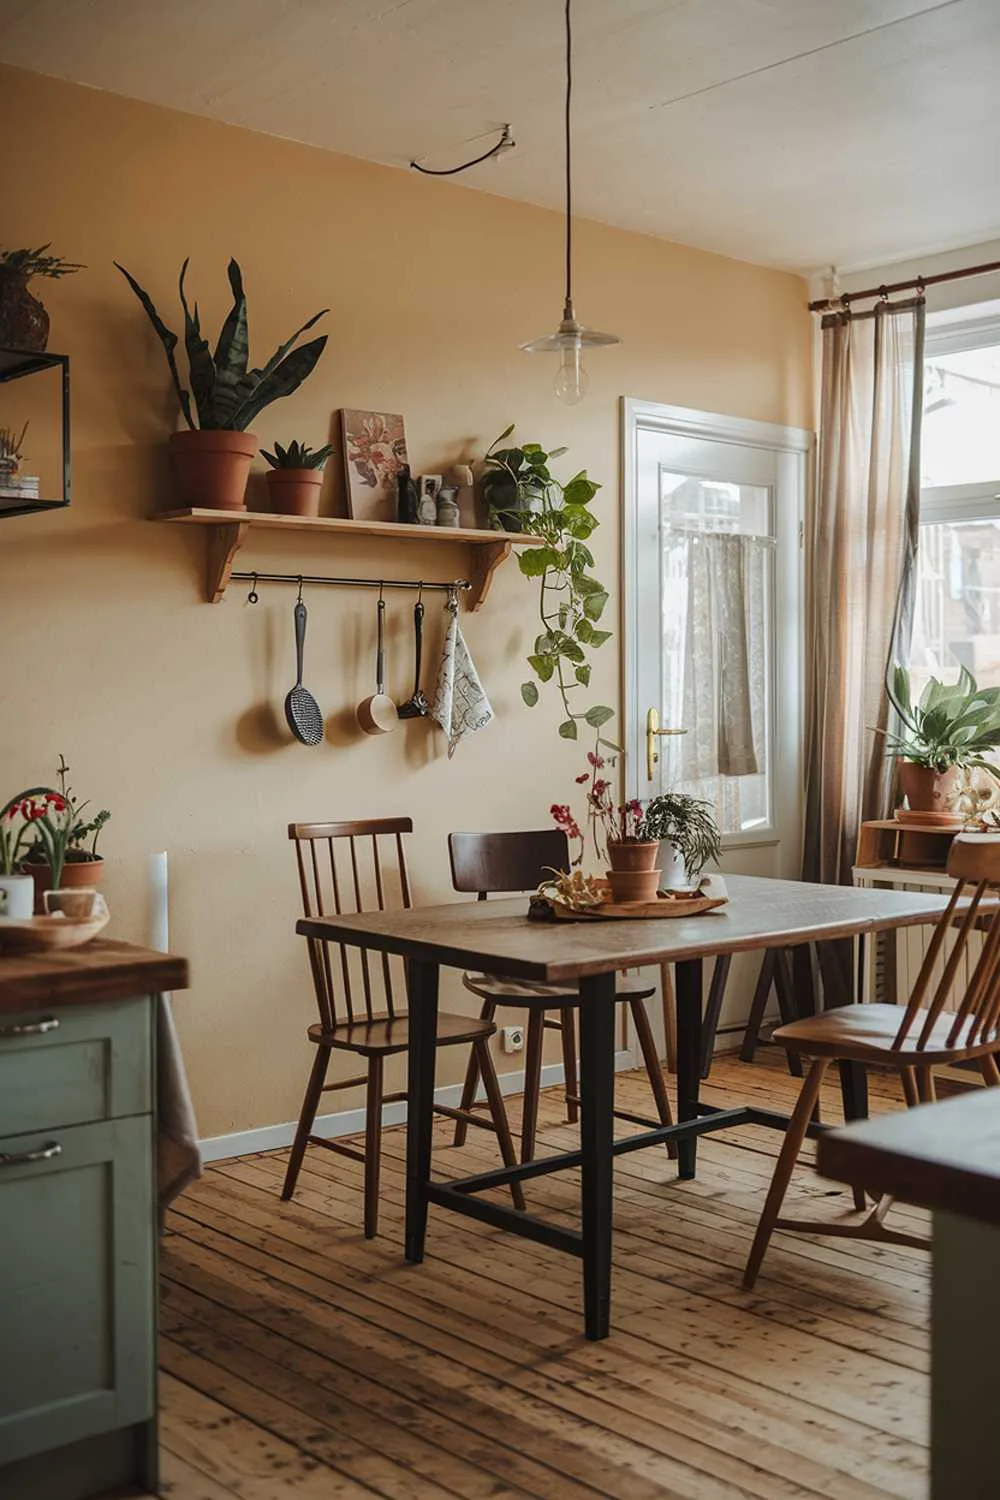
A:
(165, 706)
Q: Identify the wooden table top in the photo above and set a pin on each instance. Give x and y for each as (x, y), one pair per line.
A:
(938, 1156)
(496, 935)
(103, 970)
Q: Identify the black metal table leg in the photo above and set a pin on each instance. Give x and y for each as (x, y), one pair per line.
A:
(423, 1008)
(713, 1010)
(687, 982)
(597, 1099)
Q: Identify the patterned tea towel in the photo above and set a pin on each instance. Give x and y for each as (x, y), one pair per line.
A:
(460, 702)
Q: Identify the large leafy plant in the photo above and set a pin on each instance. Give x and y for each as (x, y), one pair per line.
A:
(571, 600)
(226, 394)
(951, 724)
(688, 824)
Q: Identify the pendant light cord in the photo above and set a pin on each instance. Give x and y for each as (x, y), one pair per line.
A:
(568, 310)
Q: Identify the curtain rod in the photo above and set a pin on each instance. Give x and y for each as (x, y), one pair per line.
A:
(917, 284)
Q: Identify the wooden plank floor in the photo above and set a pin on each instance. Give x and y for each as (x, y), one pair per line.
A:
(302, 1363)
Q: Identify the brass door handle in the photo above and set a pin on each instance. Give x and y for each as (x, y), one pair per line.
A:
(652, 731)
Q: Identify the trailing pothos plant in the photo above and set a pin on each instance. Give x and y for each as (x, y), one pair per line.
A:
(571, 600)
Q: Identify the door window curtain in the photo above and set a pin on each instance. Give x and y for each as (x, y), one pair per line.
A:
(861, 568)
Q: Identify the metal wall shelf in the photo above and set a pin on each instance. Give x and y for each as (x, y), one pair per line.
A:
(15, 364)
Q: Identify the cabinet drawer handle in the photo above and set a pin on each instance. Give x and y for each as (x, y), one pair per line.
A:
(32, 1028)
(23, 1158)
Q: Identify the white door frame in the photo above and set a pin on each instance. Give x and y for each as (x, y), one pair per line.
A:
(798, 445)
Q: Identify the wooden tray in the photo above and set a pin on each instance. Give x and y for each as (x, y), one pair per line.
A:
(48, 934)
(663, 906)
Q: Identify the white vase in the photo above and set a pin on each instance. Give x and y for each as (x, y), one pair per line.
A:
(17, 897)
(673, 874)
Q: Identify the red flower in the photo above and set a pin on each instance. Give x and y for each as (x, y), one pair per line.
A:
(584, 776)
(54, 800)
(597, 761)
(13, 812)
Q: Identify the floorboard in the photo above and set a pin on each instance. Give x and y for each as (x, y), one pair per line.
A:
(300, 1361)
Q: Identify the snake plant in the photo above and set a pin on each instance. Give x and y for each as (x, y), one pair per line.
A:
(226, 394)
(297, 456)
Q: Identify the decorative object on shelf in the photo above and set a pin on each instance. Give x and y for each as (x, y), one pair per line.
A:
(66, 925)
(461, 706)
(374, 454)
(946, 734)
(407, 498)
(24, 322)
(212, 460)
(302, 712)
(428, 488)
(378, 714)
(63, 853)
(571, 600)
(15, 487)
(416, 705)
(458, 477)
(687, 834)
(570, 338)
(23, 494)
(295, 478)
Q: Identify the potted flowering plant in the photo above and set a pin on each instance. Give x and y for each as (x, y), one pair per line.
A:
(63, 854)
(617, 828)
(17, 889)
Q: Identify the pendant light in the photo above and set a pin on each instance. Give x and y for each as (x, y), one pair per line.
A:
(570, 338)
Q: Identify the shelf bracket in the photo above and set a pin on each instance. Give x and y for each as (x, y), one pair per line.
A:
(223, 544)
(484, 563)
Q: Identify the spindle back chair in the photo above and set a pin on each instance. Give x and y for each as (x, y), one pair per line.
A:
(357, 866)
(911, 1040)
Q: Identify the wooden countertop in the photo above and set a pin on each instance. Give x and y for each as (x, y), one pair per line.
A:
(938, 1156)
(103, 970)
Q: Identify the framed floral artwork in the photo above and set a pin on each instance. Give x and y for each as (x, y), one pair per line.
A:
(374, 453)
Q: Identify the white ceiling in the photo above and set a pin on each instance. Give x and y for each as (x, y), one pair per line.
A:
(794, 133)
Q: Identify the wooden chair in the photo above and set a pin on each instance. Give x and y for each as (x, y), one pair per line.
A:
(926, 1036)
(506, 863)
(352, 867)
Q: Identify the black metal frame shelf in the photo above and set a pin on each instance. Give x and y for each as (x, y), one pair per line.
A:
(15, 364)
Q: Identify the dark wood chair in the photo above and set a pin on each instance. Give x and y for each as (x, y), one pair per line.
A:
(352, 867)
(507, 863)
(911, 1042)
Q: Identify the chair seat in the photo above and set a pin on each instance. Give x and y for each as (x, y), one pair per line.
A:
(385, 1034)
(526, 992)
(867, 1032)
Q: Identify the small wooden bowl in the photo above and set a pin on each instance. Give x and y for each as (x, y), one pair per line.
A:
(50, 934)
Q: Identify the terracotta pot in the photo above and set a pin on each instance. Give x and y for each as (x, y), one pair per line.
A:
(24, 323)
(633, 854)
(633, 885)
(213, 467)
(295, 492)
(927, 790)
(77, 874)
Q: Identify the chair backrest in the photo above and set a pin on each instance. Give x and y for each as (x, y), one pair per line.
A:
(495, 863)
(353, 867)
(974, 862)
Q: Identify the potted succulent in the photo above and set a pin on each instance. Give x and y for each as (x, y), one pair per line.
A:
(212, 459)
(686, 834)
(948, 732)
(63, 854)
(24, 322)
(295, 478)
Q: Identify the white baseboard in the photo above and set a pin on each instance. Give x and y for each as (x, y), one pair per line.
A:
(352, 1121)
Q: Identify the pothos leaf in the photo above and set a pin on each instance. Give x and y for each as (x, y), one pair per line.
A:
(543, 667)
(567, 729)
(529, 693)
(598, 715)
(582, 675)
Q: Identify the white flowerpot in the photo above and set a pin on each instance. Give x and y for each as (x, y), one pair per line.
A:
(17, 897)
(673, 875)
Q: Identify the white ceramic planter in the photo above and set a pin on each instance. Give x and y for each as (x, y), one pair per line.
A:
(673, 875)
(17, 897)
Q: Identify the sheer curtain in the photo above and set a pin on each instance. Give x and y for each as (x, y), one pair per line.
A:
(860, 567)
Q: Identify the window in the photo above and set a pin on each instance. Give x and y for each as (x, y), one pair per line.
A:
(957, 606)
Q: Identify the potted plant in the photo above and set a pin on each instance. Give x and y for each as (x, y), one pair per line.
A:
(24, 322)
(515, 481)
(948, 732)
(63, 854)
(686, 827)
(17, 888)
(617, 830)
(295, 478)
(212, 459)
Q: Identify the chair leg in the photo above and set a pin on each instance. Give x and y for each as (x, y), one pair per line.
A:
(854, 1093)
(498, 1111)
(310, 1104)
(567, 1024)
(373, 1143)
(532, 1082)
(657, 1082)
(471, 1079)
(910, 1091)
(765, 980)
(925, 1086)
(990, 1071)
(791, 1146)
(669, 1003)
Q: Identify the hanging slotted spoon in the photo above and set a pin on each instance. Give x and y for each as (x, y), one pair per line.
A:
(301, 709)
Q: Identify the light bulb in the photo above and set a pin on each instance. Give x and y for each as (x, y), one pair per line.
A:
(571, 381)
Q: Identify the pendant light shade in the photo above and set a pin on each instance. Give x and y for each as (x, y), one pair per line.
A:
(570, 338)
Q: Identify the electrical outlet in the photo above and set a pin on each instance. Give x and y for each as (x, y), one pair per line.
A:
(512, 1038)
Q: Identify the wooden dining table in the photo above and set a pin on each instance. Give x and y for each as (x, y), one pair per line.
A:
(498, 938)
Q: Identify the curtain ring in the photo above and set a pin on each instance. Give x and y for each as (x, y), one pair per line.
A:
(921, 286)
(253, 595)
(300, 589)
(883, 293)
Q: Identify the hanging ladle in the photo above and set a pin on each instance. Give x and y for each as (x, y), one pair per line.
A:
(416, 705)
(378, 714)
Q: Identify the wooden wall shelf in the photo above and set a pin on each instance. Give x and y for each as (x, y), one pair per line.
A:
(227, 531)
